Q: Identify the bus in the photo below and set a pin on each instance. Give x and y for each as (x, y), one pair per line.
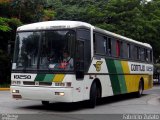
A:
(100, 63)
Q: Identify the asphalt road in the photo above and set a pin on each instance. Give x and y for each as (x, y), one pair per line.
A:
(123, 104)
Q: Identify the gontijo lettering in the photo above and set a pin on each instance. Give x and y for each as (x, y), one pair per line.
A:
(135, 67)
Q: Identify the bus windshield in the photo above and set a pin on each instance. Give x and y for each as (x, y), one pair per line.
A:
(44, 50)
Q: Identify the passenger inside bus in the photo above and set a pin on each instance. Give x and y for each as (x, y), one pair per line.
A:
(67, 62)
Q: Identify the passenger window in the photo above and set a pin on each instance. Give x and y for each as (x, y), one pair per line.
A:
(109, 47)
(129, 50)
(117, 48)
(99, 44)
(114, 48)
(146, 55)
(151, 56)
(138, 53)
(142, 54)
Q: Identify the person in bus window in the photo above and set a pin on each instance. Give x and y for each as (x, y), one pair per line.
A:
(67, 62)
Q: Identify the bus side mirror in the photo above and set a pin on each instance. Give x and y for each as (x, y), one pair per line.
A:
(79, 70)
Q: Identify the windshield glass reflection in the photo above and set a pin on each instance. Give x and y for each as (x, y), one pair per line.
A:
(46, 50)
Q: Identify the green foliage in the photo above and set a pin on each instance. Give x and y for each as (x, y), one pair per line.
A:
(4, 25)
(28, 10)
(48, 15)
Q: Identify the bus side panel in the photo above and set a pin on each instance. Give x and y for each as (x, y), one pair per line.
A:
(130, 79)
(141, 71)
(98, 70)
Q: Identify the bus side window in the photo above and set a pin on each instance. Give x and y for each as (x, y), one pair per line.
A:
(119, 49)
(84, 35)
(151, 56)
(109, 47)
(133, 52)
(129, 50)
(113, 48)
(138, 53)
(99, 44)
(94, 43)
(147, 55)
(105, 44)
(124, 53)
(142, 54)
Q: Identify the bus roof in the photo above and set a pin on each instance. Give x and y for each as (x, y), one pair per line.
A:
(59, 24)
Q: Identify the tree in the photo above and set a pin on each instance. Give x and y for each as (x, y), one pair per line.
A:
(3, 25)
(28, 10)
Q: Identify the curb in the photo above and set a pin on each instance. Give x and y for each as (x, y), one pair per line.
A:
(4, 89)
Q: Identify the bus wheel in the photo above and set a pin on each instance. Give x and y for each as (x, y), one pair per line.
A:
(140, 89)
(93, 96)
(45, 103)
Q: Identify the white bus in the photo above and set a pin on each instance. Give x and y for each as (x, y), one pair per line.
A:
(71, 61)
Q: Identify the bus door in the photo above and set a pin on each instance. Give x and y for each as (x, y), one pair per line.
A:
(82, 59)
(83, 52)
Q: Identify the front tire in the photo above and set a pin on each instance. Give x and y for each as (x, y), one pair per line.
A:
(93, 96)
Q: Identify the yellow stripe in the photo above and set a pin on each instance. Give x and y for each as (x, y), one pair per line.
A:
(132, 81)
(125, 68)
(58, 78)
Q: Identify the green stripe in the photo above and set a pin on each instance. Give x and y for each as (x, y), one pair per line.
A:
(40, 77)
(49, 78)
(120, 77)
(114, 78)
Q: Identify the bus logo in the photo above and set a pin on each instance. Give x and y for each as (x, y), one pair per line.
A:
(98, 65)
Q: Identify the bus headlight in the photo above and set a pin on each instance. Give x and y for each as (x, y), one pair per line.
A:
(15, 91)
(59, 93)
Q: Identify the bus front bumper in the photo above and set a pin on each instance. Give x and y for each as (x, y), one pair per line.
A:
(42, 93)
